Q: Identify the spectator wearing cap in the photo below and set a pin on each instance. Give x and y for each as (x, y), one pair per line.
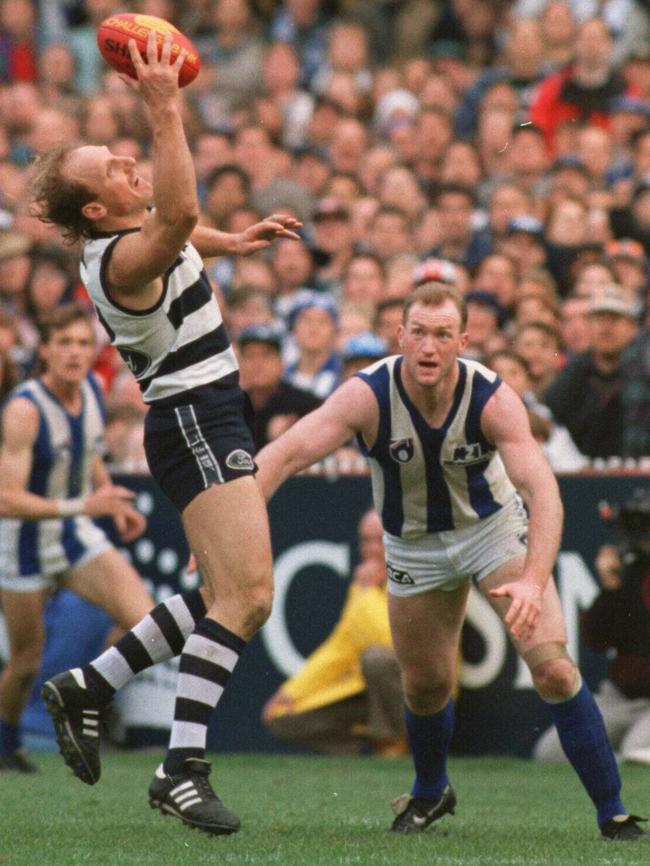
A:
(277, 404)
(524, 242)
(313, 322)
(485, 317)
(629, 115)
(360, 351)
(587, 395)
(333, 244)
(460, 243)
(567, 175)
(584, 90)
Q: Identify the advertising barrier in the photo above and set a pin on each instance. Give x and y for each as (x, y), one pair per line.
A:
(314, 528)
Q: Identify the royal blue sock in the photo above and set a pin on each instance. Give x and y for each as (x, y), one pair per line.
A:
(429, 738)
(9, 737)
(586, 744)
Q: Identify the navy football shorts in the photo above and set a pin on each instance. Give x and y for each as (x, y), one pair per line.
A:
(198, 441)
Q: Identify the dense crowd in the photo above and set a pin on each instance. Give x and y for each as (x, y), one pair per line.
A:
(500, 146)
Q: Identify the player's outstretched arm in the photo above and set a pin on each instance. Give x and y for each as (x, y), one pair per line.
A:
(505, 423)
(351, 409)
(211, 242)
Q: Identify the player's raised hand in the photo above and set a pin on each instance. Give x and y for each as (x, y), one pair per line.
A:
(525, 606)
(262, 234)
(157, 77)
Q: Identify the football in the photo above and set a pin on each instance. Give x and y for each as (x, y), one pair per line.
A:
(113, 37)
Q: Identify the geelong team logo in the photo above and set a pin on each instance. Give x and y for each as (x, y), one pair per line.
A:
(137, 362)
(401, 450)
(240, 460)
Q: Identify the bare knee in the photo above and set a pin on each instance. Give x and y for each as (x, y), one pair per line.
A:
(24, 665)
(556, 679)
(426, 694)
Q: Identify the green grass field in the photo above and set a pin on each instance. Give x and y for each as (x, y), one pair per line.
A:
(309, 811)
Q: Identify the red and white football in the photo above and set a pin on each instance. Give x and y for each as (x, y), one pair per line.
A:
(113, 37)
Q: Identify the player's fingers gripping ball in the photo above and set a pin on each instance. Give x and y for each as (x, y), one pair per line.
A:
(113, 40)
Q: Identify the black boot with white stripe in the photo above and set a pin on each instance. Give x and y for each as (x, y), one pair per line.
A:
(76, 723)
(188, 795)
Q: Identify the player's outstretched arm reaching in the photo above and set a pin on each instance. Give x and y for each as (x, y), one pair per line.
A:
(351, 409)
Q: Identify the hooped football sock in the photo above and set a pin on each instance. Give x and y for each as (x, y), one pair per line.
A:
(585, 742)
(429, 738)
(208, 658)
(159, 636)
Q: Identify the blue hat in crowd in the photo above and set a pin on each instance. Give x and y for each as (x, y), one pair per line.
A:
(526, 224)
(366, 344)
(270, 333)
(309, 300)
(489, 300)
(630, 105)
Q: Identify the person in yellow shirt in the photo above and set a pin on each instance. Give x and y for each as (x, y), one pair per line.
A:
(347, 698)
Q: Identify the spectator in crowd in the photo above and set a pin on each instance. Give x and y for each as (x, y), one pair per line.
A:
(497, 273)
(333, 244)
(587, 395)
(560, 450)
(521, 66)
(630, 266)
(460, 242)
(574, 325)
(636, 397)
(360, 351)
(539, 343)
(364, 278)
(313, 322)
(485, 316)
(618, 620)
(227, 188)
(387, 320)
(347, 697)
(524, 242)
(276, 404)
(584, 90)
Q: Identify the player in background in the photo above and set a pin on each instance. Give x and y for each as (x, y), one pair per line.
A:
(144, 272)
(450, 448)
(54, 482)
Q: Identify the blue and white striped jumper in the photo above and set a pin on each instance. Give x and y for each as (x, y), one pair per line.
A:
(426, 479)
(66, 446)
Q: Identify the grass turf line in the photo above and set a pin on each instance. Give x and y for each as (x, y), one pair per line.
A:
(312, 811)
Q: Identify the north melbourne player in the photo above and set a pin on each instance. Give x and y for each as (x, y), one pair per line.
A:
(451, 452)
